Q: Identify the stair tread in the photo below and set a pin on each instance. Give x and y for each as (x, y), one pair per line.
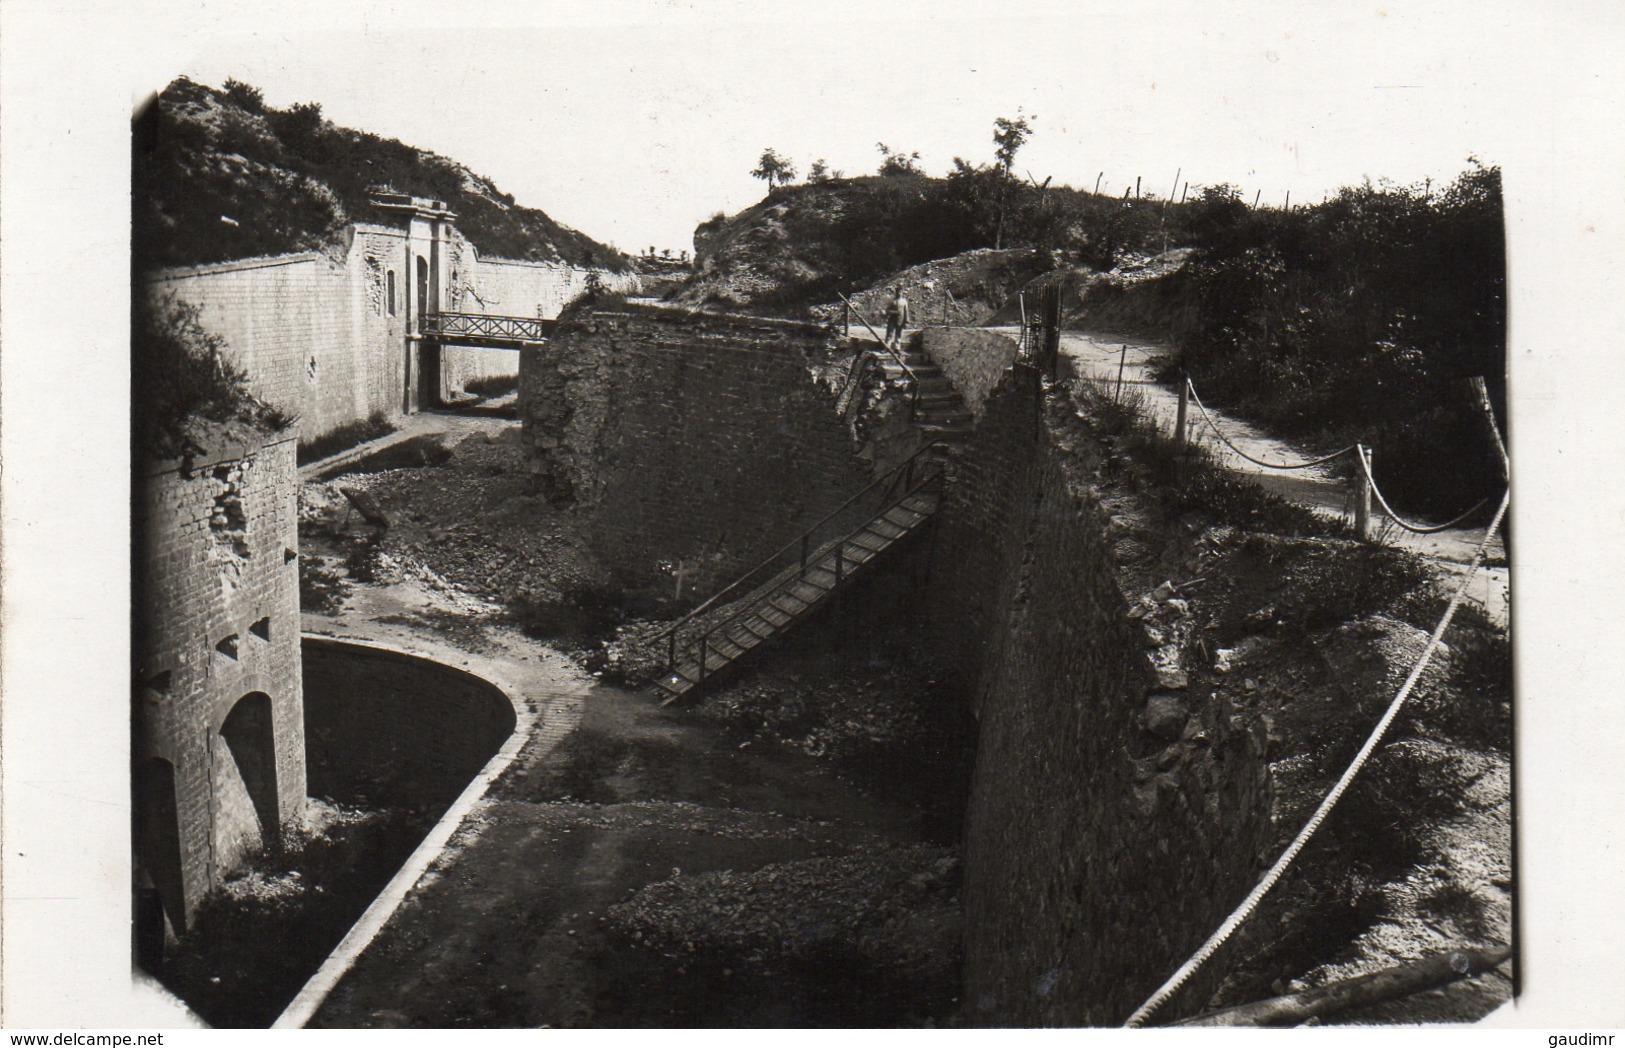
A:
(797, 593)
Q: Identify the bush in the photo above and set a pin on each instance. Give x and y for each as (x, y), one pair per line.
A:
(345, 437)
(243, 96)
(321, 588)
(1359, 319)
(179, 370)
(492, 386)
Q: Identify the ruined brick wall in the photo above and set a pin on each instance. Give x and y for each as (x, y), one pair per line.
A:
(219, 751)
(1097, 852)
(384, 727)
(973, 360)
(693, 438)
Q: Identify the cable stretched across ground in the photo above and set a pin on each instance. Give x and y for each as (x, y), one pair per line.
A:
(1249, 904)
(1256, 461)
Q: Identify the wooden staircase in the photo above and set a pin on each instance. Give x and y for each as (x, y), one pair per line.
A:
(794, 593)
(701, 647)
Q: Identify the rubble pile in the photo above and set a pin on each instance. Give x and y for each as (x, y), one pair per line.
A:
(893, 910)
(471, 523)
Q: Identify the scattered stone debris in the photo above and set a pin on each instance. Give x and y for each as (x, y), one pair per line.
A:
(890, 913)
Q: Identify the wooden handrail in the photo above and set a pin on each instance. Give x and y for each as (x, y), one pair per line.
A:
(710, 602)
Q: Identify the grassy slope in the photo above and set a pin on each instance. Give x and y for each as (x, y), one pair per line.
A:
(801, 244)
(289, 181)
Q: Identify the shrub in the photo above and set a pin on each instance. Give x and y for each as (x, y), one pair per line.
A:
(345, 437)
(1358, 319)
(179, 371)
(492, 385)
(243, 96)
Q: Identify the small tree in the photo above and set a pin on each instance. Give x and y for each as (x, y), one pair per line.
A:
(243, 96)
(774, 169)
(300, 129)
(819, 172)
(1008, 138)
(895, 163)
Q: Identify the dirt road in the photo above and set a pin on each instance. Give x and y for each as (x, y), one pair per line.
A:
(1099, 357)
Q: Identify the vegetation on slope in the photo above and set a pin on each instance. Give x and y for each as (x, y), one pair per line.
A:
(801, 244)
(1360, 318)
(217, 175)
(182, 383)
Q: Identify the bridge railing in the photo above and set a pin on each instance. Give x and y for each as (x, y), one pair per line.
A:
(486, 327)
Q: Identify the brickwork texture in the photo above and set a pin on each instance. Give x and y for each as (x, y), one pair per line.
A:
(693, 439)
(1095, 858)
(219, 723)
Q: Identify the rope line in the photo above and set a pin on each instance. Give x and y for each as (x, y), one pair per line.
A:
(1259, 462)
(1365, 465)
(1417, 529)
(1245, 910)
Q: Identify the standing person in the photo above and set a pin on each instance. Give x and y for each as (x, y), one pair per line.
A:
(896, 316)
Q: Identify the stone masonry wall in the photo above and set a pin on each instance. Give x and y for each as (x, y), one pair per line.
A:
(384, 727)
(217, 637)
(1098, 852)
(699, 439)
(972, 359)
(289, 322)
(325, 337)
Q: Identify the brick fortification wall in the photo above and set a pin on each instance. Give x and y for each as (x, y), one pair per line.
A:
(694, 438)
(1097, 856)
(383, 727)
(219, 751)
(292, 323)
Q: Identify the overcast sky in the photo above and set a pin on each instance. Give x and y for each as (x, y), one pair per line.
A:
(637, 129)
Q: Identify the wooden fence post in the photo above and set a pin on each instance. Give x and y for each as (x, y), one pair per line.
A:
(1121, 361)
(1362, 495)
(1179, 419)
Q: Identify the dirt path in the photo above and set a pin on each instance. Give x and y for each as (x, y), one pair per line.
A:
(1098, 356)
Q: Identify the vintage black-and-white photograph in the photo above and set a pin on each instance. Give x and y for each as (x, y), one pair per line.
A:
(997, 520)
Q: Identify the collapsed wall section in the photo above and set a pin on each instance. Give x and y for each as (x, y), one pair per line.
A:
(1101, 845)
(695, 442)
(218, 748)
(975, 361)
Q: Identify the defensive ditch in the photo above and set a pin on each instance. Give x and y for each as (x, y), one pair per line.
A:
(391, 740)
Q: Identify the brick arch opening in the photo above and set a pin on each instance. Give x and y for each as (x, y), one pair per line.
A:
(251, 748)
(161, 893)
